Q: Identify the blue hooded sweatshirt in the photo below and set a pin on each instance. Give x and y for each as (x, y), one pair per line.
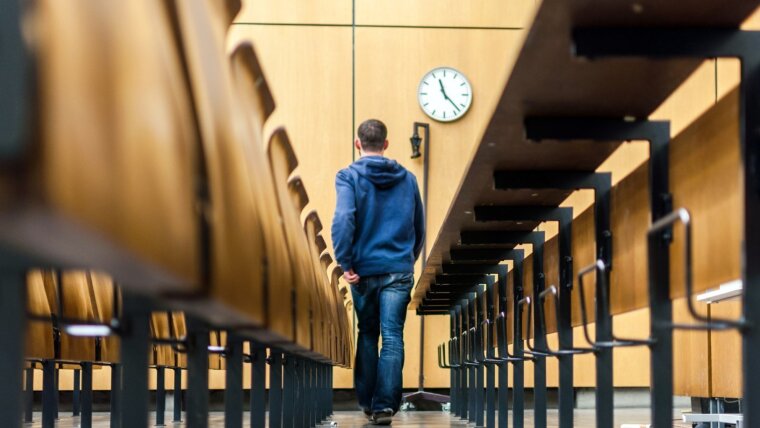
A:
(379, 225)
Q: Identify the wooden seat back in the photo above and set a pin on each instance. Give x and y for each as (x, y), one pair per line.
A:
(39, 334)
(117, 142)
(256, 104)
(283, 161)
(238, 252)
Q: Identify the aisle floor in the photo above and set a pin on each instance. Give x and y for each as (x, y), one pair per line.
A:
(583, 419)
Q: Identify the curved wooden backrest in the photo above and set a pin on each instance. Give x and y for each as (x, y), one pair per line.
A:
(321, 244)
(250, 80)
(162, 355)
(282, 160)
(39, 342)
(298, 193)
(320, 305)
(116, 129)
(238, 250)
(255, 104)
(103, 292)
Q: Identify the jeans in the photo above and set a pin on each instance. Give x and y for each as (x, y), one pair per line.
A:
(380, 303)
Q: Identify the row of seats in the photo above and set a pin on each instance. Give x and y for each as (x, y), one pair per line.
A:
(149, 174)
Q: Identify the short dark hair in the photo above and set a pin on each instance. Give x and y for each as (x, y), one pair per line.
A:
(372, 134)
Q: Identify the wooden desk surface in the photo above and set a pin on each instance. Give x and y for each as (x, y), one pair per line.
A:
(547, 80)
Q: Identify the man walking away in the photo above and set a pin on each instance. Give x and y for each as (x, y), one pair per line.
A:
(378, 232)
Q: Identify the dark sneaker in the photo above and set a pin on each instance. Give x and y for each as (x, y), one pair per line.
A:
(367, 413)
(383, 417)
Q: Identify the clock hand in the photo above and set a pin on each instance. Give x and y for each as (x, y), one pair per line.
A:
(453, 103)
(446, 96)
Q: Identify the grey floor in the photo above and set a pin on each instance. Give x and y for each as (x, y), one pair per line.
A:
(583, 419)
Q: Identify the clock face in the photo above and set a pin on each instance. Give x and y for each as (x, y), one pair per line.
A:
(445, 94)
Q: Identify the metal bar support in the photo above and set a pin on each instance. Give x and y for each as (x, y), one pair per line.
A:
(275, 389)
(75, 399)
(258, 385)
(48, 394)
(177, 416)
(197, 374)
(29, 394)
(115, 395)
(86, 419)
(134, 348)
(160, 395)
(233, 386)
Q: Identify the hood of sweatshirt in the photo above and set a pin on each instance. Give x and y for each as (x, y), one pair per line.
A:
(384, 173)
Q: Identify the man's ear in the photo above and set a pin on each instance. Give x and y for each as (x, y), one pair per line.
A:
(385, 145)
(358, 144)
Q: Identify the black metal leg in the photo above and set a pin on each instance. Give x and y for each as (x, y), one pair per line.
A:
(57, 395)
(233, 388)
(115, 395)
(75, 393)
(86, 421)
(518, 394)
(503, 396)
(48, 394)
(480, 396)
(177, 417)
(289, 404)
(12, 322)
(160, 395)
(301, 406)
(258, 386)
(29, 395)
(197, 374)
(464, 406)
(472, 395)
(490, 396)
(275, 390)
(135, 400)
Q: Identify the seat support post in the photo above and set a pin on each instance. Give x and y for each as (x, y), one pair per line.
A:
(86, 419)
(275, 389)
(75, 399)
(29, 394)
(160, 395)
(12, 331)
(258, 385)
(134, 349)
(197, 374)
(177, 417)
(48, 394)
(115, 395)
(233, 387)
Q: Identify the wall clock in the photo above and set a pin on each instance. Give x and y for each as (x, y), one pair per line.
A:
(444, 94)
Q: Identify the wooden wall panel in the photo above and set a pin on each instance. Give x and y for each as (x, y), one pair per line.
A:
(389, 66)
(296, 12)
(309, 72)
(725, 353)
(705, 177)
(486, 13)
(584, 254)
(691, 362)
(630, 219)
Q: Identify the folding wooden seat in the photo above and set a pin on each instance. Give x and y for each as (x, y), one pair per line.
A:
(283, 161)
(110, 182)
(39, 343)
(69, 296)
(320, 302)
(332, 305)
(257, 105)
(106, 301)
(238, 250)
(161, 354)
(345, 331)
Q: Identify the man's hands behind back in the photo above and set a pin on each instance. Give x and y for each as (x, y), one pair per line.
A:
(351, 276)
